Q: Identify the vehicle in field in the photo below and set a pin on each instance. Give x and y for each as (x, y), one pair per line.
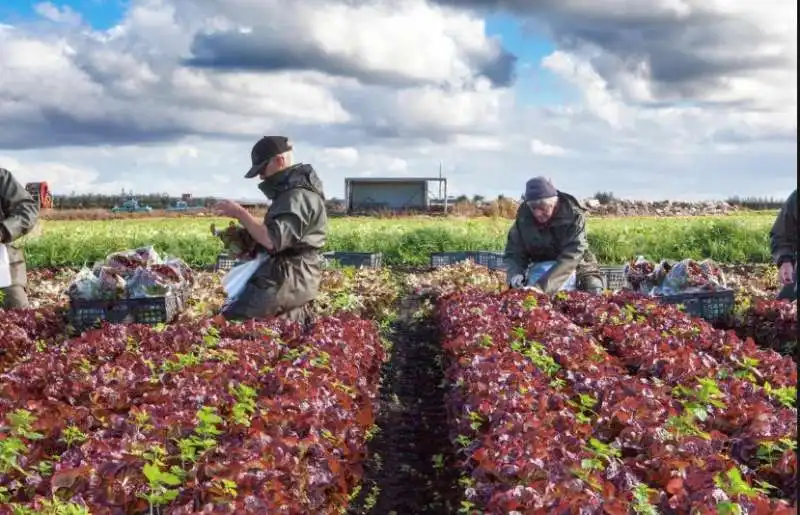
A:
(131, 206)
(183, 204)
(40, 192)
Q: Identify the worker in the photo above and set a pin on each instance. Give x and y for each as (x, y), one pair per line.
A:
(293, 232)
(18, 216)
(784, 247)
(550, 226)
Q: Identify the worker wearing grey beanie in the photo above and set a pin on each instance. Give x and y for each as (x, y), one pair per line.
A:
(550, 226)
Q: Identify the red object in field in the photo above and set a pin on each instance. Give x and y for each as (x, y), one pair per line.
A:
(40, 192)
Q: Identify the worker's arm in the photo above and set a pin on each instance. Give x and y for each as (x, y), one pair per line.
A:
(257, 230)
(20, 210)
(783, 236)
(284, 225)
(568, 259)
(515, 256)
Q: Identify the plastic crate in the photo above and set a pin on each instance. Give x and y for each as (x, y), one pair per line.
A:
(711, 305)
(614, 278)
(492, 260)
(83, 314)
(497, 261)
(225, 262)
(439, 259)
(355, 259)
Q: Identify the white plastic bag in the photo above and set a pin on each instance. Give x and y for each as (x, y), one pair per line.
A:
(85, 285)
(537, 270)
(236, 279)
(5, 267)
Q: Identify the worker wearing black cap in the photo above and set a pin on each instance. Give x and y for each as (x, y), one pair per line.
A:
(293, 233)
(550, 226)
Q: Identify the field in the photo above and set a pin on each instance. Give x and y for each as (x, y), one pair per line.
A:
(434, 392)
(409, 241)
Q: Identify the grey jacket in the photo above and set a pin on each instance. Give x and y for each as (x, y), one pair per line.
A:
(18, 216)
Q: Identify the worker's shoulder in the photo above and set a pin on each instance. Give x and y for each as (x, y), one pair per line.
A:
(572, 204)
(300, 201)
(303, 194)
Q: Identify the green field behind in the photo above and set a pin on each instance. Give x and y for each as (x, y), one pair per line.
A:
(409, 241)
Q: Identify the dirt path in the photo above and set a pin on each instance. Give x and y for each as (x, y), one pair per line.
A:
(411, 470)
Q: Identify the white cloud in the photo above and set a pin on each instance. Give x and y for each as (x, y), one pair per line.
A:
(59, 15)
(545, 149)
(395, 88)
(342, 155)
(61, 178)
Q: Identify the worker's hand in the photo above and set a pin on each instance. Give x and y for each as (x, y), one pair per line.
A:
(517, 280)
(786, 273)
(228, 208)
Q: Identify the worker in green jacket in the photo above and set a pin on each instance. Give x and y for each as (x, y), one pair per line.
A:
(784, 247)
(293, 232)
(550, 226)
(18, 216)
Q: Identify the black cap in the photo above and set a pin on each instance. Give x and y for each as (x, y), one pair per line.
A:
(265, 149)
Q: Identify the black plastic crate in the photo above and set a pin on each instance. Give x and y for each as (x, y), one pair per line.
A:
(614, 277)
(711, 305)
(355, 259)
(497, 261)
(83, 314)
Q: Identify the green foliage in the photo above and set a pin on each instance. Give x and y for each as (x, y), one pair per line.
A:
(409, 241)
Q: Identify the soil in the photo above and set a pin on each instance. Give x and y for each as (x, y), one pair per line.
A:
(411, 469)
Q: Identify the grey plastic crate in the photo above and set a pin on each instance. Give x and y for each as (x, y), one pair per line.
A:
(225, 262)
(439, 259)
(355, 259)
(492, 260)
(614, 278)
(711, 305)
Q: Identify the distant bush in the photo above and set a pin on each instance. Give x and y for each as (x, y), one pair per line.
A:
(605, 197)
(756, 203)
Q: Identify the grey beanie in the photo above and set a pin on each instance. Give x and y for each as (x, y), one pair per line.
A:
(539, 188)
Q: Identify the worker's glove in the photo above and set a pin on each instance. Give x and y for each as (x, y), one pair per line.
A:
(786, 273)
(517, 281)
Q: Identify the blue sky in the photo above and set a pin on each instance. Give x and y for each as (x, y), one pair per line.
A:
(101, 14)
(536, 86)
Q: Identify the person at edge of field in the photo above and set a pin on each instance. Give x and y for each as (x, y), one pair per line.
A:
(783, 238)
(292, 233)
(550, 226)
(18, 216)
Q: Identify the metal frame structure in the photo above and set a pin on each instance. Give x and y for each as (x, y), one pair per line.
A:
(442, 187)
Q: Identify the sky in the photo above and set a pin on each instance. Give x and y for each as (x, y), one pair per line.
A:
(650, 100)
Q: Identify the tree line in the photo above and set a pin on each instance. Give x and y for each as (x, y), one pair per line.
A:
(154, 200)
(164, 201)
